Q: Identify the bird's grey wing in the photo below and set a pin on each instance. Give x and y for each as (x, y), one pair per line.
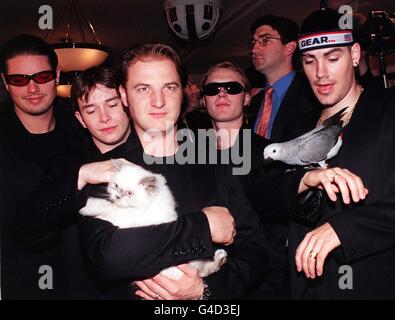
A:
(308, 134)
(315, 147)
(289, 152)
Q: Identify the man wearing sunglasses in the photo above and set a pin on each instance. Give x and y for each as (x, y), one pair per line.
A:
(287, 94)
(225, 96)
(35, 136)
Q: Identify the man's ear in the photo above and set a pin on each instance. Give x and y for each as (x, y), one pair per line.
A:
(5, 83)
(355, 54)
(203, 102)
(247, 99)
(57, 75)
(79, 117)
(290, 48)
(122, 92)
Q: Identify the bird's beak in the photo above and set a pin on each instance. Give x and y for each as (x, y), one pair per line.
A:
(267, 161)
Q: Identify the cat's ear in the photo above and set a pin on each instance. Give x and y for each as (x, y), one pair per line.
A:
(150, 184)
(117, 164)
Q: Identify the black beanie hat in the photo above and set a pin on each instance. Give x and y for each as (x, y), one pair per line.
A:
(321, 30)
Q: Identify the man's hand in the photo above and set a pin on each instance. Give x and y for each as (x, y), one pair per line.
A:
(313, 250)
(335, 180)
(222, 224)
(97, 172)
(188, 287)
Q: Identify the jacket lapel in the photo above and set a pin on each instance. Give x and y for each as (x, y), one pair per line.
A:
(287, 112)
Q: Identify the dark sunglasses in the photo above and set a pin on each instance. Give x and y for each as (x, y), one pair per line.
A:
(232, 87)
(21, 80)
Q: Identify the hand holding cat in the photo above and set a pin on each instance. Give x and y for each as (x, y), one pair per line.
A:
(222, 224)
(188, 287)
(97, 172)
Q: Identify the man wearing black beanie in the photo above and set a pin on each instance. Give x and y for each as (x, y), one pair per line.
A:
(350, 252)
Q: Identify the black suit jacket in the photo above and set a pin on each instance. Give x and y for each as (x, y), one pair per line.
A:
(25, 162)
(366, 230)
(298, 100)
(273, 195)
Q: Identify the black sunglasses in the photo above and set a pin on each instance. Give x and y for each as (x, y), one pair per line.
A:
(232, 87)
(21, 80)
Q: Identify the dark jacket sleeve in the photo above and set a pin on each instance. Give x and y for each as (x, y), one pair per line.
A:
(368, 228)
(273, 193)
(365, 230)
(248, 258)
(52, 205)
(112, 252)
(127, 254)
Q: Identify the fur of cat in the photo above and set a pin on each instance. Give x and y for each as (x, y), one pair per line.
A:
(138, 198)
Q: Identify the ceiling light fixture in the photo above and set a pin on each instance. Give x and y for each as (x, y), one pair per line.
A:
(76, 56)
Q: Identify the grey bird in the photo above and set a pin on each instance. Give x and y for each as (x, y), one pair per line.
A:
(313, 147)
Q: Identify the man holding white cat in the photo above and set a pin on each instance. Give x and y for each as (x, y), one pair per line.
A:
(152, 89)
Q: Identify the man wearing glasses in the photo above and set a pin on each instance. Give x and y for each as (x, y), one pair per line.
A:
(287, 94)
(34, 137)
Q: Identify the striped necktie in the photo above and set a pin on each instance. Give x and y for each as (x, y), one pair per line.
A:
(266, 110)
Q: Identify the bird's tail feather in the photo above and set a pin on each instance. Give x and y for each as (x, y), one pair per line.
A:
(335, 119)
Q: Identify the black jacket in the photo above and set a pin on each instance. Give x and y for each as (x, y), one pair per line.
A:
(366, 230)
(26, 160)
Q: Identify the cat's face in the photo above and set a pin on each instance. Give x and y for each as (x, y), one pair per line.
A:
(133, 187)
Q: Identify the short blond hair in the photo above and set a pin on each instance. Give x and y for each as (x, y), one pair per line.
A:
(227, 65)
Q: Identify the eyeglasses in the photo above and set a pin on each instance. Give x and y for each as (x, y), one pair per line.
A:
(232, 87)
(21, 80)
(261, 41)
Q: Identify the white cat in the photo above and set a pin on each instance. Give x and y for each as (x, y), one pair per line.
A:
(141, 198)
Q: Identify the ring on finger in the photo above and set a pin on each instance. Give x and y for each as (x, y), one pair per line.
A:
(335, 176)
(313, 254)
